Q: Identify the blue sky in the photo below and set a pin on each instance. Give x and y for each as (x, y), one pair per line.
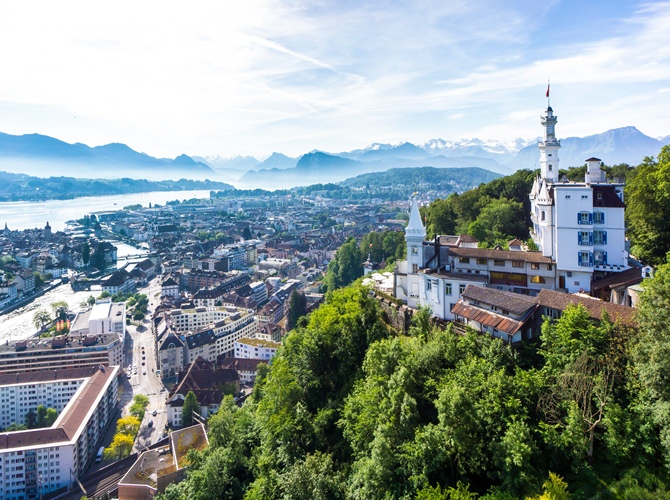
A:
(252, 77)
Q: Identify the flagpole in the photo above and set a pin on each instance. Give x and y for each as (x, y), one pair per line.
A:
(548, 98)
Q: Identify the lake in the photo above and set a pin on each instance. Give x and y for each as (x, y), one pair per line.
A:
(31, 214)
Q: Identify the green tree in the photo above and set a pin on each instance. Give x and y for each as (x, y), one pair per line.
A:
(246, 233)
(41, 419)
(498, 222)
(98, 257)
(139, 406)
(86, 253)
(51, 417)
(41, 318)
(297, 308)
(31, 420)
(190, 407)
(39, 279)
(59, 309)
(648, 208)
(345, 267)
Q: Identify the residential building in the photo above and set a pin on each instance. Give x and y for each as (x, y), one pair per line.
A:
(39, 462)
(248, 348)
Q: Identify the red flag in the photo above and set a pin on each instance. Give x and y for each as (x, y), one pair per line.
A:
(547, 90)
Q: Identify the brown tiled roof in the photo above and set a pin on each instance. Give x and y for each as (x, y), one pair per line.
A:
(608, 199)
(486, 253)
(466, 238)
(441, 273)
(510, 301)
(595, 307)
(47, 376)
(630, 276)
(487, 318)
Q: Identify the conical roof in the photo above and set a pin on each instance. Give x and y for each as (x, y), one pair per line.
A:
(415, 227)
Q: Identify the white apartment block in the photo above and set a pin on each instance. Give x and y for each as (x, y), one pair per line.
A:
(212, 331)
(248, 348)
(41, 461)
(104, 317)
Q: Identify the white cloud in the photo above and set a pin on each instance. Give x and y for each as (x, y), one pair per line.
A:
(253, 77)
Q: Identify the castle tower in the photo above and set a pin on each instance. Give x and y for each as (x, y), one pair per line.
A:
(549, 147)
(415, 233)
(47, 232)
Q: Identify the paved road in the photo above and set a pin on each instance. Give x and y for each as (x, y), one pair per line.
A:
(141, 349)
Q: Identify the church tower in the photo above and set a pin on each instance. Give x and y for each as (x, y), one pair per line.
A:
(549, 147)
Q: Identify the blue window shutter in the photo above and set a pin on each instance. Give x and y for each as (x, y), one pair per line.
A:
(602, 217)
(590, 238)
(604, 257)
(579, 257)
(590, 258)
(590, 218)
(604, 237)
(579, 217)
(579, 237)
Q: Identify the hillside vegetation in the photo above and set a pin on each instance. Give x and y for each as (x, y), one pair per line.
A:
(351, 408)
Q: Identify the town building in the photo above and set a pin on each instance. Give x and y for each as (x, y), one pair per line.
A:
(39, 462)
(103, 317)
(248, 348)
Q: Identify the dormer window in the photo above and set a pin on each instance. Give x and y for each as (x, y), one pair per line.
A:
(550, 168)
(599, 196)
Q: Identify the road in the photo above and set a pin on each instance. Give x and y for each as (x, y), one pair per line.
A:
(141, 353)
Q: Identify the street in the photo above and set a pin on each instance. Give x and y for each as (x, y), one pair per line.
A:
(140, 353)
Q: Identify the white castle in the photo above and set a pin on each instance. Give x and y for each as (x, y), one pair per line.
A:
(578, 227)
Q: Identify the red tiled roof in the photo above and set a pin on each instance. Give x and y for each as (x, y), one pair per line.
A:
(487, 318)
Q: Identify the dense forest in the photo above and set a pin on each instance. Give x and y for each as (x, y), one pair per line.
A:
(21, 187)
(351, 408)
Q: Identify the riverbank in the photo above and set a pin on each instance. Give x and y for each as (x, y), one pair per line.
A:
(27, 300)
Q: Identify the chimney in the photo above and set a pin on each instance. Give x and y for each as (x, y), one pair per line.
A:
(593, 173)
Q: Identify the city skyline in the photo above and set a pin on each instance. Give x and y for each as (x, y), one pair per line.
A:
(251, 79)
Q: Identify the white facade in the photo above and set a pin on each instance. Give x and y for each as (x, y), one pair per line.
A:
(579, 225)
(247, 348)
(39, 461)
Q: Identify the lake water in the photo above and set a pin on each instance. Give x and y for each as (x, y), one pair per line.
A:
(31, 214)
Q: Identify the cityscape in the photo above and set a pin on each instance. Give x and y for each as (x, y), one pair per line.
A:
(282, 312)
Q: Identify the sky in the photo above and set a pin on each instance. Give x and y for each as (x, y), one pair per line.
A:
(251, 77)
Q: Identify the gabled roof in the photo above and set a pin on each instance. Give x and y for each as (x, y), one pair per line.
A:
(486, 253)
(514, 302)
(595, 307)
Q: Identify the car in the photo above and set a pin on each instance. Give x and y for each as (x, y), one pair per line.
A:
(144, 372)
(143, 363)
(151, 423)
(143, 358)
(154, 413)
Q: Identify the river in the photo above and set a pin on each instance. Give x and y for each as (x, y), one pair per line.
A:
(31, 214)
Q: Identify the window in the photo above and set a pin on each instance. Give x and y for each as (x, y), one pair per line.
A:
(543, 215)
(599, 217)
(447, 288)
(569, 274)
(499, 263)
(461, 289)
(599, 196)
(585, 238)
(548, 267)
(517, 263)
(415, 268)
(415, 250)
(567, 196)
(585, 258)
(429, 285)
(600, 258)
(585, 197)
(481, 262)
(600, 237)
(534, 265)
(464, 260)
(584, 218)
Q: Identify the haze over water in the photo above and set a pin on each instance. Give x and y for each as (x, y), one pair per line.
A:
(21, 215)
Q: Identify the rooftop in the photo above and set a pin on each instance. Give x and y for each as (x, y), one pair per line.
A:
(259, 343)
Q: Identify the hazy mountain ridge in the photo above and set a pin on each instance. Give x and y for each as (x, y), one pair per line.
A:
(37, 154)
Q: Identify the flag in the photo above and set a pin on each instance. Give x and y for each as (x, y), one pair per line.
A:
(547, 90)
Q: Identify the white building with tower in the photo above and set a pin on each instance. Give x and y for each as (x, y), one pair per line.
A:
(579, 225)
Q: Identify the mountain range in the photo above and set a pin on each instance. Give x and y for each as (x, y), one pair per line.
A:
(41, 155)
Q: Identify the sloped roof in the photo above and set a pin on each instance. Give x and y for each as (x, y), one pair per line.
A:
(487, 318)
(514, 302)
(595, 307)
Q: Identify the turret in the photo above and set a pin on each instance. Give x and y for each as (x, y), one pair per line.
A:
(594, 174)
(549, 147)
(415, 233)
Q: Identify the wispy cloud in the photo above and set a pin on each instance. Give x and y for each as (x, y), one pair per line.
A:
(253, 77)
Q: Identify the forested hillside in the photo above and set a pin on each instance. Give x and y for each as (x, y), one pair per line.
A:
(351, 408)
